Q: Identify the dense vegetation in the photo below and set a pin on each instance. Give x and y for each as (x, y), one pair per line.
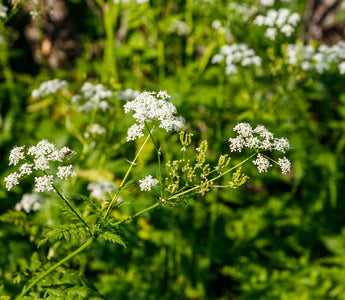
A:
(278, 236)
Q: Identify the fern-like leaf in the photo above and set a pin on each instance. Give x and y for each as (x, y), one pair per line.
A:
(114, 238)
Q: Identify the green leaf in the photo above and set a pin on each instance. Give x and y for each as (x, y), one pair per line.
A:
(114, 238)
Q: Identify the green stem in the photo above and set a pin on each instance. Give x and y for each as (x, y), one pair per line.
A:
(72, 209)
(51, 269)
(125, 178)
(153, 206)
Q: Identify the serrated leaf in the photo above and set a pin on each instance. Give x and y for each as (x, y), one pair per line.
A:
(114, 238)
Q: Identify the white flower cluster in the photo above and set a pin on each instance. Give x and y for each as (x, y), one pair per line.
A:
(152, 106)
(49, 88)
(127, 1)
(278, 21)
(260, 139)
(179, 27)
(147, 183)
(101, 188)
(234, 55)
(127, 94)
(3, 11)
(38, 158)
(94, 129)
(95, 96)
(245, 10)
(29, 202)
(267, 2)
(320, 59)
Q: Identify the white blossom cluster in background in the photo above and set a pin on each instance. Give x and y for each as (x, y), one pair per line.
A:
(49, 88)
(30, 202)
(94, 96)
(127, 94)
(278, 21)
(101, 188)
(3, 11)
(179, 27)
(267, 2)
(236, 55)
(319, 59)
(128, 1)
(260, 139)
(149, 107)
(147, 183)
(38, 158)
(93, 130)
(245, 10)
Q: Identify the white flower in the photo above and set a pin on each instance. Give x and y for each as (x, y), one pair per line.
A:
(44, 183)
(179, 27)
(243, 129)
(12, 180)
(263, 132)
(100, 189)
(3, 11)
(147, 183)
(42, 154)
(97, 129)
(65, 172)
(25, 169)
(281, 144)
(151, 106)
(262, 163)
(236, 144)
(267, 2)
(41, 163)
(278, 21)
(271, 33)
(16, 155)
(135, 131)
(236, 55)
(48, 88)
(287, 29)
(30, 202)
(341, 67)
(95, 96)
(128, 94)
(284, 164)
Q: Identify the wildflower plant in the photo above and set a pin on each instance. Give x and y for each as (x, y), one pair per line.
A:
(175, 181)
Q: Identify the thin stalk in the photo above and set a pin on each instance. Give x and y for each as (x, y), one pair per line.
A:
(52, 268)
(211, 180)
(125, 178)
(153, 206)
(77, 251)
(159, 153)
(72, 209)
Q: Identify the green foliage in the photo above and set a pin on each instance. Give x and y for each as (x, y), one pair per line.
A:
(270, 237)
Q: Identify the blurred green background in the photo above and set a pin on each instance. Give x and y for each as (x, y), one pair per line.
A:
(277, 237)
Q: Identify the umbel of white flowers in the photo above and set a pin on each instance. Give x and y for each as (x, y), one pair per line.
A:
(38, 158)
(95, 96)
(278, 21)
(260, 139)
(49, 88)
(147, 183)
(152, 107)
(236, 55)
